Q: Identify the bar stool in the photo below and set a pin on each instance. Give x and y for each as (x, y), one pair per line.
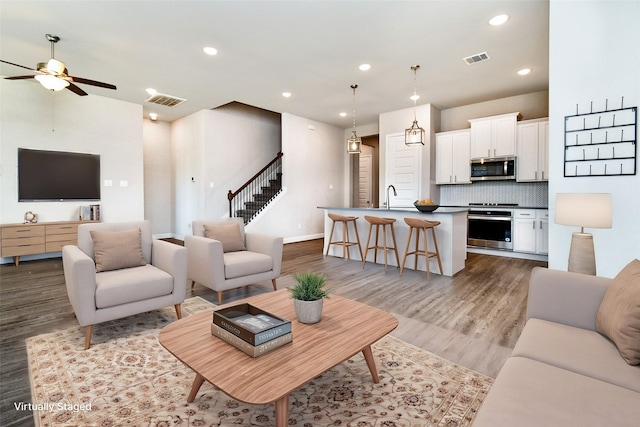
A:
(345, 243)
(421, 225)
(377, 222)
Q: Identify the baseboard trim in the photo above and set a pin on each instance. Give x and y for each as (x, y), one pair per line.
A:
(303, 238)
(508, 254)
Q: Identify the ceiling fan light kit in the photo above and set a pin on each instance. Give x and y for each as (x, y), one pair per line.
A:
(52, 82)
(53, 74)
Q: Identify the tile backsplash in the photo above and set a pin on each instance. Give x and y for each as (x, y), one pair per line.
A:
(527, 194)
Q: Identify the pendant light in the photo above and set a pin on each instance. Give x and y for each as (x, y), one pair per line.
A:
(354, 143)
(415, 134)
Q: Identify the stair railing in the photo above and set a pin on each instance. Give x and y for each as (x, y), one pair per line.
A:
(248, 200)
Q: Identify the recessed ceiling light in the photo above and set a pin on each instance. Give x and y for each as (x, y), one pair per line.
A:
(414, 97)
(343, 114)
(498, 20)
(151, 91)
(210, 50)
(364, 67)
(524, 71)
(286, 94)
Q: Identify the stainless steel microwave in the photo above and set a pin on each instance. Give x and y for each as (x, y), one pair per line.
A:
(501, 168)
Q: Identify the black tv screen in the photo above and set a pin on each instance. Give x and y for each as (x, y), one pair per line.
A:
(57, 176)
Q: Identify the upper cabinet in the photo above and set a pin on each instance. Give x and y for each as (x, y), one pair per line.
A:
(452, 157)
(494, 136)
(532, 149)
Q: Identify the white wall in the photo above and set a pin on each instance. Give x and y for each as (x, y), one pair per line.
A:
(395, 122)
(594, 56)
(31, 117)
(313, 161)
(530, 105)
(158, 194)
(239, 141)
(215, 151)
(187, 151)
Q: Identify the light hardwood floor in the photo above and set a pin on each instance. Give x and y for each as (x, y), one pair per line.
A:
(473, 318)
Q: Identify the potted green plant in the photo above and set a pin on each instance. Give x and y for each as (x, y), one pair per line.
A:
(308, 294)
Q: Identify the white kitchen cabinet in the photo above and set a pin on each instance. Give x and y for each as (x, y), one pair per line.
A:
(542, 235)
(493, 136)
(531, 231)
(452, 157)
(532, 150)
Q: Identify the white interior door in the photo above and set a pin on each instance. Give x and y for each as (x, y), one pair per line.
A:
(365, 180)
(403, 171)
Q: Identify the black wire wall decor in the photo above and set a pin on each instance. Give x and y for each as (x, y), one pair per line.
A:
(601, 142)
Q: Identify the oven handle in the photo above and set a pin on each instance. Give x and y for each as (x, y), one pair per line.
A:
(491, 218)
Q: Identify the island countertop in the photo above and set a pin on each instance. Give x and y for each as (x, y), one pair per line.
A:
(411, 209)
(451, 235)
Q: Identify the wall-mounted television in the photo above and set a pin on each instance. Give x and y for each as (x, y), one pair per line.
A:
(57, 176)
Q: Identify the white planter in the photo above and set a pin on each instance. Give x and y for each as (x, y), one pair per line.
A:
(308, 311)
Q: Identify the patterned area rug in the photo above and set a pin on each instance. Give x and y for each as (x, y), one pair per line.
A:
(128, 378)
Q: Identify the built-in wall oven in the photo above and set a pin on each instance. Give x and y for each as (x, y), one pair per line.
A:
(490, 228)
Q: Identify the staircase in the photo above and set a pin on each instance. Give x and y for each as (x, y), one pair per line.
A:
(252, 197)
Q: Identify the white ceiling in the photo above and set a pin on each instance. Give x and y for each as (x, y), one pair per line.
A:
(309, 48)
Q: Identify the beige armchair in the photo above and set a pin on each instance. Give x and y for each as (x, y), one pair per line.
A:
(118, 270)
(222, 256)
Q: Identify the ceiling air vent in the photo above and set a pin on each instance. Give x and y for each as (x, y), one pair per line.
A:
(478, 57)
(166, 100)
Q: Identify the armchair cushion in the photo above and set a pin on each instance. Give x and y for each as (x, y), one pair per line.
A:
(227, 234)
(114, 250)
(619, 313)
(130, 285)
(245, 263)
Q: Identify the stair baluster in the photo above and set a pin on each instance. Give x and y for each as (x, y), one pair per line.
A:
(254, 195)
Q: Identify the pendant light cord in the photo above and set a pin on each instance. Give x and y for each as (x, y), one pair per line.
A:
(415, 90)
(354, 87)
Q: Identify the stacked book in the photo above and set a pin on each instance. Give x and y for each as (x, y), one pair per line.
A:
(251, 329)
(90, 213)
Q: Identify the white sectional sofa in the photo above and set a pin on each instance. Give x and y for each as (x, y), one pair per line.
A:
(562, 371)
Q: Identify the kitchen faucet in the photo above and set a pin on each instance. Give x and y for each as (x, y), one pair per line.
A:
(394, 193)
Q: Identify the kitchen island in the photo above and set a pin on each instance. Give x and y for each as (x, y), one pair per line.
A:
(451, 235)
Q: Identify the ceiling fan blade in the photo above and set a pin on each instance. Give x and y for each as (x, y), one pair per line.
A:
(92, 82)
(19, 77)
(75, 89)
(17, 65)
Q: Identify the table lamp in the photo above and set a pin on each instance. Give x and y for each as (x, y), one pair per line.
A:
(583, 210)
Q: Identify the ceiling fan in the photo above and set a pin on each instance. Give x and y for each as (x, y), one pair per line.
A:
(53, 74)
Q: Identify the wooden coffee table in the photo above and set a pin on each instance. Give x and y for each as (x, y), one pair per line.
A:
(347, 328)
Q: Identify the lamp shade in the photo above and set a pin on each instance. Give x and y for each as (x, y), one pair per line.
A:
(590, 210)
(354, 144)
(414, 135)
(52, 82)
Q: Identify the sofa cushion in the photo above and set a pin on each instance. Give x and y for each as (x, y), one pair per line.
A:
(619, 313)
(579, 350)
(528, 393)
(130, 285)
(245, 263)
(227, 234)
(114, 250)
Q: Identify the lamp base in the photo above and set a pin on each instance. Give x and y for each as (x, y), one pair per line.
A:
(582, 256)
